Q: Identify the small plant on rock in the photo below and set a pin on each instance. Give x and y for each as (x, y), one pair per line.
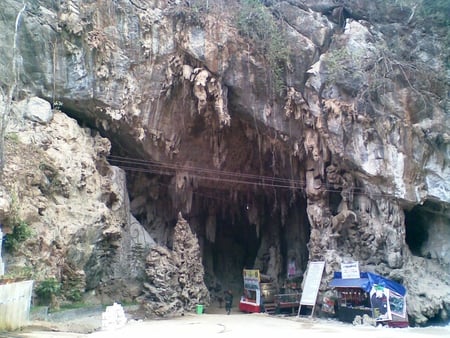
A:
(257, 23)
(47, 290)
(21, 232)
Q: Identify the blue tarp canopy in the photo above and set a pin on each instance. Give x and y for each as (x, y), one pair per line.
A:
(349, 283)
(366, 281)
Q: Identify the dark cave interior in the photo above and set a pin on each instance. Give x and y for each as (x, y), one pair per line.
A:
(427, 229)
(416, 230)
(225, 225)
(240, 244)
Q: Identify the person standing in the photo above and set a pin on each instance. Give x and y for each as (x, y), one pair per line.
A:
(262, 307)
(228, 301)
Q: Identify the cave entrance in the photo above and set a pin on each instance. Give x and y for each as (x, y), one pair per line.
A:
(251, 232)
(253, 228)
(235, 246)
(427, 231)
(416, 230)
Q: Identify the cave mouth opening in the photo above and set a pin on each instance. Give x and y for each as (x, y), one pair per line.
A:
(244, 239)
(253, 228)
(235, 247)
(427, 231)
(416, 229)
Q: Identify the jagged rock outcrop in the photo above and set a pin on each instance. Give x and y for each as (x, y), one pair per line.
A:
(57, 181)
(348, 162)
(175, 281)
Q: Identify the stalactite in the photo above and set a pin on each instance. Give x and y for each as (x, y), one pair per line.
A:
(184, 186)
(283, 212)
(210, 226)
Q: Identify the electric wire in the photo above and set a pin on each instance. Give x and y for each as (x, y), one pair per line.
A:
(216, 179)
(171, 169)
(166, 166)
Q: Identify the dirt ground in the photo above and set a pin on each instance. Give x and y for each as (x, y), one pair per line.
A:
(214, 321)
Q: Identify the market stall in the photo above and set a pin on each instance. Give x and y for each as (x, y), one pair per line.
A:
(372, 295)
(251, 298)
(259, 292)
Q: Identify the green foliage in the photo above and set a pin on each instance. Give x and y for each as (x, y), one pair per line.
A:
(57, 105)
(437, 12)
(74, 306)
(345, 69)
(101, 262)
(46, 289)
(334, 63)
(13, 137)
(256, 22)
(435, 16)
(72, 283)
(20, 273)
(74, 295)
(21, 232)
(192, 14)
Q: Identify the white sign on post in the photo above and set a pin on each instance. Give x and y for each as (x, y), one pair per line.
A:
(350, 270)
(311, 285)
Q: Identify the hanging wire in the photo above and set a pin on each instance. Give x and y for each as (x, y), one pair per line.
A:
(171, 169)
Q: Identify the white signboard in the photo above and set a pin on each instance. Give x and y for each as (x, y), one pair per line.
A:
(312, 283)
(350, 270)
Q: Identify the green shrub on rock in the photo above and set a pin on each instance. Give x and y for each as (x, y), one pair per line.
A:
(47, 289)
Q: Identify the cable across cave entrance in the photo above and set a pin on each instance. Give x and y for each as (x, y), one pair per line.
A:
(170, 169)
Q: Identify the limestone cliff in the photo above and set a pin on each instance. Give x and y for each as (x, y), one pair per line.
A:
(284, 131)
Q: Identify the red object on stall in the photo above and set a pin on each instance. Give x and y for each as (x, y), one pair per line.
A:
(250, 307)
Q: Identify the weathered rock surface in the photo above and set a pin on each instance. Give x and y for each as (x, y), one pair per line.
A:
(349, 162)
(175, 277)
(57, 181)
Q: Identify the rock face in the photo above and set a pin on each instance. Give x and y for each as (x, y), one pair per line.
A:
(175, 278)
(317, 131)
(59, 183)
